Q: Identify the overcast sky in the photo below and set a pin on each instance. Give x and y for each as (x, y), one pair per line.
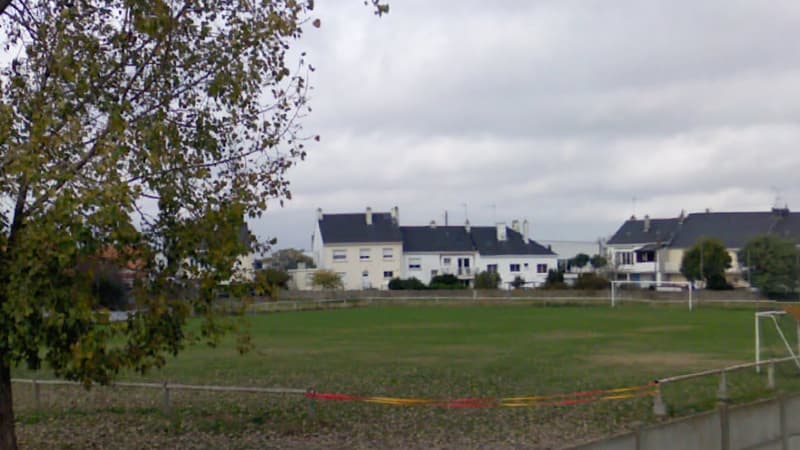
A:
(561, 112)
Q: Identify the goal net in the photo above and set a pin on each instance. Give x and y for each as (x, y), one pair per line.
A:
(622, 289)
(777, 335)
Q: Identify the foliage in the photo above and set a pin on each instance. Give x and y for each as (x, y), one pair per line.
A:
(446, 281)
(518, 282)
(580, 260)
(106, 106)
(598, 262)
(288, 259)
(326, 279)
(487, 280)
(109, 288)
(555, 280)
(591, 281)
(269, 282)
(398, 284)
(707, 261)
(772, 265)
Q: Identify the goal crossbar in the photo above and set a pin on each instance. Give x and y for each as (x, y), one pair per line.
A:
(681, 284)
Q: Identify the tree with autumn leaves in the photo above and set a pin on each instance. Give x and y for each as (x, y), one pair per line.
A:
(149, 129)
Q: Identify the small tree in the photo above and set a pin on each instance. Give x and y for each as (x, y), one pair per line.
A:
(580, 260)
(326, 279)
(598, 262)
(518, 282)
(487, 280)
(707, 261)
(269, 282)
(772, 265)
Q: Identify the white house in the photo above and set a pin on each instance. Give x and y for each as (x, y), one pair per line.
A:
(365, 249)
(511, 253)
(438, 250)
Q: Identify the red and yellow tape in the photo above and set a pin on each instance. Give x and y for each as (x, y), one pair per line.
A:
(566, 399)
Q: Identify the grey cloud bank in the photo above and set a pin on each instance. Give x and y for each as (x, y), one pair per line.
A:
(557, 111)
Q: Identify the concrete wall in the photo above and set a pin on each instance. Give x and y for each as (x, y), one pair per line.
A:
(762, 425)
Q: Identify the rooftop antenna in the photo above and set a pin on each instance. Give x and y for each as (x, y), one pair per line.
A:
(466, 211)
(445, 217)
(633, 205)
(778, 198)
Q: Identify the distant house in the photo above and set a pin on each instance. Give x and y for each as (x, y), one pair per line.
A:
(369, 249)
(653, 249)
(365, 249)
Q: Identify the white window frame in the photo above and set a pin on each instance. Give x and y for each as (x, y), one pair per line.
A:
(339, 255)
(364, 254)
(388, 253)
(511, 268)
(539, 268)
(415, 263)
(390, 274)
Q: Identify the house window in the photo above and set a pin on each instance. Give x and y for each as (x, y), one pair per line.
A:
(340, 255)
(541, 268)
(624, 258)
(525, 265)
(445, 261)
(434, 272)
(388, 274)
(414, 263)
(491, 268)
(513, 267)
(363, 254)
(388, 253)
(643, 257)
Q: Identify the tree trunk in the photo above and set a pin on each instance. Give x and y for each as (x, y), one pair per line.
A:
(8, 440)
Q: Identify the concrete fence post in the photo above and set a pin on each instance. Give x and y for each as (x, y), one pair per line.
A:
(724, 425)
(659, 407)
(771, 376)
(312, 403)
(722, 391)
(37, 400)
(166, 406)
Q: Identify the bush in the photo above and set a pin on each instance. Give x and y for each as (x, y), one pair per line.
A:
(487, 280)
(555, 280)
(446, 281)
(397, 284)
(518, 282)
(592, 282)
(269, 282)
(326, 279)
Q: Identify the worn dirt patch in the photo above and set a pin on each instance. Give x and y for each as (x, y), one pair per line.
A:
(670, 359)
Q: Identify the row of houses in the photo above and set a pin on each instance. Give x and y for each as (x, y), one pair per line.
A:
(651, 250)
(368, 249)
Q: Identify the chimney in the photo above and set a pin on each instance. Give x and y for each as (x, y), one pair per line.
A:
(525, 231)
(501, 232)
(646, 223)
(708, 210)
(433, 224)
(515, 225)
(319, 213)
(682, 217)
(369, 215)
(467, 226)
(395, 213)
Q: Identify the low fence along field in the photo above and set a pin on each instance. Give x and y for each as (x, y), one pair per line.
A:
(446, 376)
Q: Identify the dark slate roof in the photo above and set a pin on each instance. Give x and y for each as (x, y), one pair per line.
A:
(485, 240)
(734, 229)
(439, 239)
(352, 228)
(632, 231)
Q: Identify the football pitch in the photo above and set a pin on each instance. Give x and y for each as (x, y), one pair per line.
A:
(429, 352)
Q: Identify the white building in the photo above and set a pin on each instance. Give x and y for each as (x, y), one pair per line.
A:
(366, 249)
(434, 250)
(511, 253)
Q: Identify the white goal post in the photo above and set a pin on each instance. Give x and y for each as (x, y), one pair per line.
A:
(773, 316)
(659, 285)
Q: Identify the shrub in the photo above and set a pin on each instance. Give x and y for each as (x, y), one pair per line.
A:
(591, 281)
(446, 281)
(269, 282)
(518, 282)
(555, 280)
(326, 279)
(487, 280)
(397, 284)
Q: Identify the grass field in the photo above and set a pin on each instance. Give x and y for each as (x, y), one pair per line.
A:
(434, 351)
